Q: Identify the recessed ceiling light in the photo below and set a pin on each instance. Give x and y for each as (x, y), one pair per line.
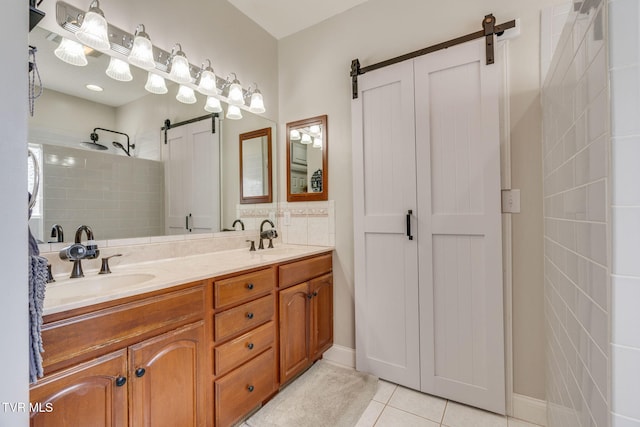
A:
(94, 88)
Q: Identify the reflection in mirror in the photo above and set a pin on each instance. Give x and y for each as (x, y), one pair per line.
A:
(307, 171)
(113, 193)
(255, 166)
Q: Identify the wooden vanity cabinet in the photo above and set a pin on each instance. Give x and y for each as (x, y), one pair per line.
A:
(154, 378)
(305, 314)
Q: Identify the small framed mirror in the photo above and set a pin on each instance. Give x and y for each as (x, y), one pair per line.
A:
(307, 164)
(255, 166)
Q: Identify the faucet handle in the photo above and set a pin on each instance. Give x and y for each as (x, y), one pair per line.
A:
(105, 264)
(253, 246)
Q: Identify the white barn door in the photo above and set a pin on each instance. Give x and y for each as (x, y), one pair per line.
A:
(460, 241)
(438, 154)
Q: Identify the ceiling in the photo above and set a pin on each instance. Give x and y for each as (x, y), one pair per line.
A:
(281, 18)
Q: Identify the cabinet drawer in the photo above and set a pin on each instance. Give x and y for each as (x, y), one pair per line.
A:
(243, 348)
(244, 317)
(244, 287)
(243, 389)
(301, 271)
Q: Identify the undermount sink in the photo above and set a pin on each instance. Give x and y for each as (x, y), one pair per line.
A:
(66, 290)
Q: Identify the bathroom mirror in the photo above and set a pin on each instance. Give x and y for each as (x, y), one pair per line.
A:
(66, 114)
(307, 171)
(255, 166)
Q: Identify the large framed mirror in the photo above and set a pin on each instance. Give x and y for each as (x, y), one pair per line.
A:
(255, 166)
(307, 160)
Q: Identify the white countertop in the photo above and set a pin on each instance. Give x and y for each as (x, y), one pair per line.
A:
(127, 280)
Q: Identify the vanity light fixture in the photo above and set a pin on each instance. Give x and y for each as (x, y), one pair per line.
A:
(306, 138)
(178, 65)
(71, 52)
(235, 95)
(186, 95)
(213, 105)
(206, 80)
(156, 84)
(233, 112)
(314, 130)
(317, 143)
(93, 31)
(119, 70)
(141, 54)
(294, 135)
(257, 103)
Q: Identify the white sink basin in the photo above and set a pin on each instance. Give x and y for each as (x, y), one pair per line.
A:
(73, 289)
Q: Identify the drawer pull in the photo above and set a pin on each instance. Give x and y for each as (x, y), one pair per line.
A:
(309, 296)
(315, 294)
(250, 346)
(140, 372)
(249, 315)
(250, 286)
(250, 388)
(120, 381)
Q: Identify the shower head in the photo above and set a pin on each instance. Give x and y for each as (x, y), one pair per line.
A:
(94, 143)
(120, 146)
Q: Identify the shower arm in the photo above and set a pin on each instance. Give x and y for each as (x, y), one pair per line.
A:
(129, 146)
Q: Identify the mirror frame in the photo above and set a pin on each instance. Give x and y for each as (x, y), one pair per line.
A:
(267, 198)
(309, 197)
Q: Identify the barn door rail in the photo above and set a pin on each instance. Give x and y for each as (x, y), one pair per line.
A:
(489, 28)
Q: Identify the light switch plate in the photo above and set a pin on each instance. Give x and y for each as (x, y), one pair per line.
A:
(511, 201)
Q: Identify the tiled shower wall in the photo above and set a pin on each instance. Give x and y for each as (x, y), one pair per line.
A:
(115, 195)
(624, 75)
(576, 145)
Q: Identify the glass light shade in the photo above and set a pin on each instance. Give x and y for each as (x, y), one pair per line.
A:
(257, 103)
(141, 54)
(207, 85)
(294, 135)
(180, 68)
(156, 84)
(94, 30)
(186, 95)
(119, 70)
(233, 112)
(235, 94)
(317, 143)
(306, 138)
(213, 105)
(71, 52)
(314, 130)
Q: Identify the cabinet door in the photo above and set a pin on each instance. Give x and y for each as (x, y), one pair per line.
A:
(294, 331)
(321, 315)
(167, 376)
(91, 394)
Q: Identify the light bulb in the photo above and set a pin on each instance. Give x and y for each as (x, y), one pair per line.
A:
(314, 130)
(233, 112)
(306, 138)
(156, 84)
(94, 30)
(71, 52)
(179, 66)
(213, 105)
(207, 81)
(257, 103)
(186, 95)
(294, 135)
(141, 54)
(119, 70)
(317, 143)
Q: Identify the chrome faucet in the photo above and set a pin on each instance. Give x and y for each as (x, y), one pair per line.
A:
(237, 221)
(267, 234)
(57, 233)
(77, 252)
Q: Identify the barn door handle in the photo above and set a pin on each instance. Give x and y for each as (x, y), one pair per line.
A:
(409, 213)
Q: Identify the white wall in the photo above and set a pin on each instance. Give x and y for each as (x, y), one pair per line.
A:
(314, 79)
(14, 369)
(577, 223)
(624, 63)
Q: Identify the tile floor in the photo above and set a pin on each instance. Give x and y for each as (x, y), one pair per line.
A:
(396, 406)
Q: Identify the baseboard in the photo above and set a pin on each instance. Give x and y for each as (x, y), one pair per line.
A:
(341, 355)
(530, 409)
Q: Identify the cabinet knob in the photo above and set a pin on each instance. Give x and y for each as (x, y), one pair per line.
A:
(250, 286)
(250, 346)
(315, 293)
(120, 381)
(309, 296)
(249, 315)
(250, 388)
(140, 372)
